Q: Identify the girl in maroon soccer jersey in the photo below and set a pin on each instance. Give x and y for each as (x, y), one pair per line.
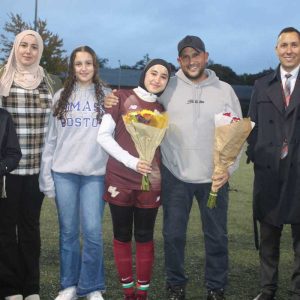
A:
(130, 206)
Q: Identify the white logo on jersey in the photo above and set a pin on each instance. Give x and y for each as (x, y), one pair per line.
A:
(113, 191)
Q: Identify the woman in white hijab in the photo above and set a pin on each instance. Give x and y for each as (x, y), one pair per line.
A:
(26, 92)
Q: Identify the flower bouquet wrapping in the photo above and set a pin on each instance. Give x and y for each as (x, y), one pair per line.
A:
(230, 135)
(147, 129)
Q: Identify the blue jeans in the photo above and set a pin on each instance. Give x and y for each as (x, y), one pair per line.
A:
(177, 200)
(80, 208)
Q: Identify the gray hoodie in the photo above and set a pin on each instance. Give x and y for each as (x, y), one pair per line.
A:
(71, 146)
(187, 148)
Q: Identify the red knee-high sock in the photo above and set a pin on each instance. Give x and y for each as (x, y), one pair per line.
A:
(144, 266)
(123, 261)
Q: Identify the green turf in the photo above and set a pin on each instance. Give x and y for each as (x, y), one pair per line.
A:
(244, 267)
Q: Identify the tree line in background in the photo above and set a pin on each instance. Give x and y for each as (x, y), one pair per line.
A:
(55, 60)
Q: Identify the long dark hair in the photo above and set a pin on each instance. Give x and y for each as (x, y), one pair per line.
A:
(60, 109)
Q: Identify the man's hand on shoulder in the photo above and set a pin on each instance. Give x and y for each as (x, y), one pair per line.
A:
(111, 99)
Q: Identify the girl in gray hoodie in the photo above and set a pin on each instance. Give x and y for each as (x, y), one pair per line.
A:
(72, 171)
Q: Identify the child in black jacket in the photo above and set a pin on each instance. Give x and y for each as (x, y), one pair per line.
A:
(10, 155)
(10, 152)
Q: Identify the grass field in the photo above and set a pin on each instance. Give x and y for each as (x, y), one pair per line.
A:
(244, 267)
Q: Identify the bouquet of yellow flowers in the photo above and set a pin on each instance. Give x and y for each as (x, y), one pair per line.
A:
(230, 134)
(147, 129)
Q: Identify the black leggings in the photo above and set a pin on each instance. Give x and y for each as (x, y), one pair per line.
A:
(123, 218)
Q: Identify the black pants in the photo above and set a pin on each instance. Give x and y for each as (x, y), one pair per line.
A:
(124, 217)
(269, 258)
(20, 236)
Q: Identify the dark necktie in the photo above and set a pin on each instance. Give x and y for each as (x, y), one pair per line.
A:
(287, 95)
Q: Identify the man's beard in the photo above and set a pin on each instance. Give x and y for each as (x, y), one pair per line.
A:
(196, 76)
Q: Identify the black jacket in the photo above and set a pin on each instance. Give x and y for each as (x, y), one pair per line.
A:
(276, 193)
(10, 152)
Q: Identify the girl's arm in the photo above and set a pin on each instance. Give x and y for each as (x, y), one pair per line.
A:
(45, 178)
(106, 140)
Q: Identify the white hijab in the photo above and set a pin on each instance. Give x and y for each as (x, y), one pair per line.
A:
(27, 77)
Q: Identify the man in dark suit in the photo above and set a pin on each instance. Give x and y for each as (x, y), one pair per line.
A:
(274, 148)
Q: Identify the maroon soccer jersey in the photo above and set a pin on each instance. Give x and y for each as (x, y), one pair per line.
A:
(117, 174)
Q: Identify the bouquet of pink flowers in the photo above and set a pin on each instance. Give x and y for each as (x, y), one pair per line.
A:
(147, 129)
(231, 133)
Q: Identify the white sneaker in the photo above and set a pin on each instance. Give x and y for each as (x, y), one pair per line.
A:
(67, 294)
(14, 297)
(33, 297)
(97, 295)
